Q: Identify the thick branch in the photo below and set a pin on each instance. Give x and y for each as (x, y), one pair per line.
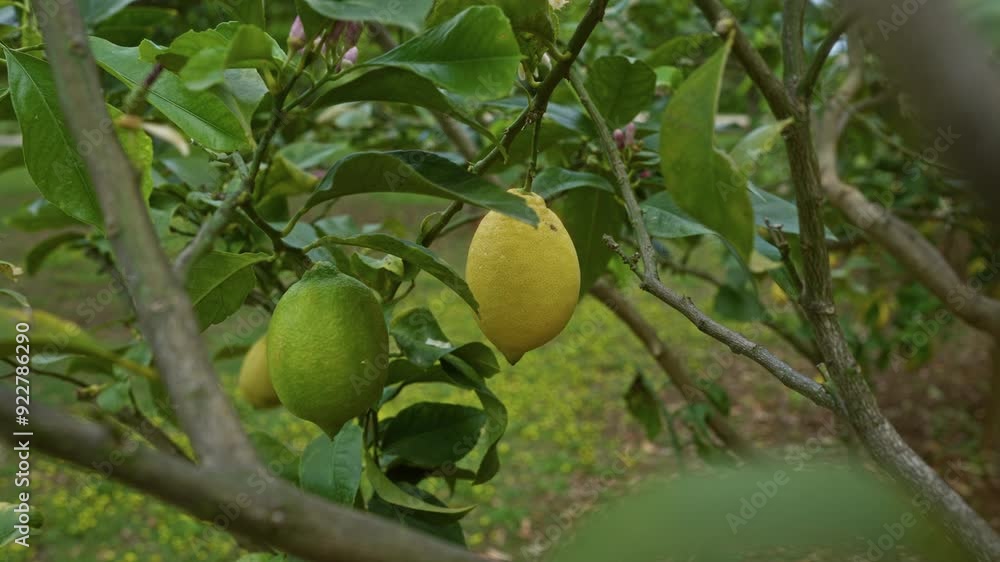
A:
(254, 503)
(860, 406)
(921, 258)
(650, 279)
(161, 303)
(671, 365)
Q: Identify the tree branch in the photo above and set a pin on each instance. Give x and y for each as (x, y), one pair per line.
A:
(242, 195)
(535, 110)
(616, 302)
(722, 19)
(162, 305)
(650, 278)
(921, 258)
(839, 27)
(251, 502)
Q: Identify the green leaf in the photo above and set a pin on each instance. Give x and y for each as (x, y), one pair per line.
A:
(644, 406)
(532, 20)
(33, 261)
(404, 370)
(283, 178)
(276, 457)
(132, 25)
(680, 49)
(18, 297)
(391, 493)
(479, 356)
(48, 334)
(449, 531)
(419, 256)
(9, 518)
(702, 180)
(247, 11)
(398, 85)
(620, 88)
(737, 304)
(202, 57)
(552, 182)
(666, 221)
(725, 514)
(473, 54)
(770, 207)
(408, 14)
(749, 150)
(138, 146)
(39, 215)
(431, 434)
(463, 374)
(419, 337)
(331, 468)
(414, 171)
(50, 152)
(96, 11)
(204, 116)
(589, 214)
(219, 283)
(116, 397)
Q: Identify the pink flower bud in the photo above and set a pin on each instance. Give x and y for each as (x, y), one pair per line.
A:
(296, 36)
(620, 138)
(350, 58)
(630, 134)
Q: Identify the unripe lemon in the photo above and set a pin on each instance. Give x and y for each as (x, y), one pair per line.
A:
(255, 379)
(327, 348)
(526, 279)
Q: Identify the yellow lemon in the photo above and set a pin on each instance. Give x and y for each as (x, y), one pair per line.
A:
(255, 380)
(526, 279)
(328, 348)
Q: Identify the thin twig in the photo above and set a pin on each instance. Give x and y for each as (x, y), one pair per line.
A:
(535, 110)
(650, 279)
(243, 195)
(137, 97)
(45, 373)
(529, 178)
(823, 52)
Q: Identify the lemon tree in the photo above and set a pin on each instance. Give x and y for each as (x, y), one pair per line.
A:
(255, 181)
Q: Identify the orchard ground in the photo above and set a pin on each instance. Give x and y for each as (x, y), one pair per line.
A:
(570, 443)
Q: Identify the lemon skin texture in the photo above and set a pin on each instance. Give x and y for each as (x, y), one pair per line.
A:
(526, 279)
(255, 379)
(327, 348)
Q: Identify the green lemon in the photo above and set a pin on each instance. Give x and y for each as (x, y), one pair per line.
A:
(328, 348)
(255, 379)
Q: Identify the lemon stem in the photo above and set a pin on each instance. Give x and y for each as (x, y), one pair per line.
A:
(529, 178)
